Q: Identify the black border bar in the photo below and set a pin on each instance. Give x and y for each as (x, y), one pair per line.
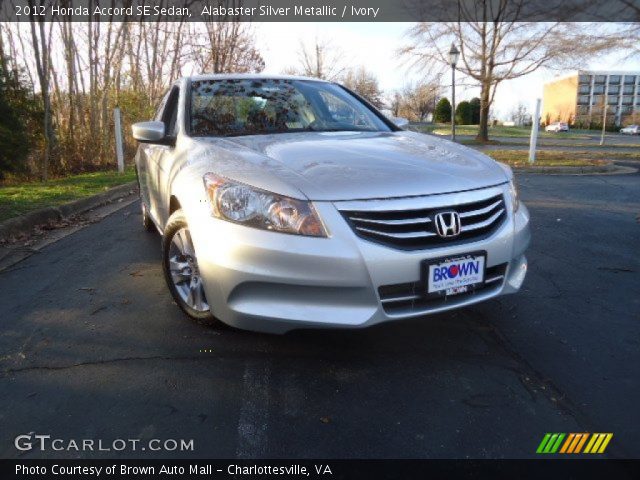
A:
(323, 10)
(547, 469)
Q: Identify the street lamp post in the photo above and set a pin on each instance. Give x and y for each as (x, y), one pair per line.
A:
(454, 54)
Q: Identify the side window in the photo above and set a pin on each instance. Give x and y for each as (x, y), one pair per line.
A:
(170, 114)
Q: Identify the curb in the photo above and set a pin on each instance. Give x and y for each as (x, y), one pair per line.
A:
(24, 224)
(586, 169)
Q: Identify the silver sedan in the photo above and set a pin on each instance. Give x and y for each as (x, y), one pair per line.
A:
(288, 202)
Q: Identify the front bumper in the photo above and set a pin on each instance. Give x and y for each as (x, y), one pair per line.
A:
(273, 282)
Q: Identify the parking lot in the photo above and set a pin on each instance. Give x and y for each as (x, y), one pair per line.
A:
(92, 347)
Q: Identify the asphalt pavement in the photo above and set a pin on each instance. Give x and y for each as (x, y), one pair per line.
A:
(92, 346)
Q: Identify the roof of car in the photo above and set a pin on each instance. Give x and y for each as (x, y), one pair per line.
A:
(242, 76)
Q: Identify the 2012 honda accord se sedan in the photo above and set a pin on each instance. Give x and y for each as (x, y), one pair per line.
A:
(288, 202)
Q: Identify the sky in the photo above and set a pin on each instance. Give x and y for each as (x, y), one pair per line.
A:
(374, 45)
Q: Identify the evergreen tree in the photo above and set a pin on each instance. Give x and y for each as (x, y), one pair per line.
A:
(463, 113)
(475, 110)
(18, 122)
(443, 111)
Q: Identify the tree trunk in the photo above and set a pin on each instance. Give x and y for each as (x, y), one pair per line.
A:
(69, 57)
(483, 127)
(41, 52)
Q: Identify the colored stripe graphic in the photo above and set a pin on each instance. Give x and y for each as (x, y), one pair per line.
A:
(555, 447)
(591, 442)
(573, 443)
(544, 441)
(606, 442)
(577, 437)
(567, 443)
(598, 443)
(581, 443)
(550, 443)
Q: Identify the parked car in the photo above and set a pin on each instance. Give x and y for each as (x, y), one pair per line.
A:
(557, 127)
(631, 130)
(287, 202)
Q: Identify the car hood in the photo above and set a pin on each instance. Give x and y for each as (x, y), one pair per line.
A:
(331, 166)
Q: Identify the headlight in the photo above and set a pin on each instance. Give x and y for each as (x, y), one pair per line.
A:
(253, 207)
(515, 196)
(513, 186)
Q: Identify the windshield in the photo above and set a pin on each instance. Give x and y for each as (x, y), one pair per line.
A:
(233, 107)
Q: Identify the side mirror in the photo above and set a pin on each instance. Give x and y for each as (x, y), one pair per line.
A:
(400, 122)
(149, 132)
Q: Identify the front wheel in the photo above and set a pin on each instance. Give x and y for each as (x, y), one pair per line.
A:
(181, 271)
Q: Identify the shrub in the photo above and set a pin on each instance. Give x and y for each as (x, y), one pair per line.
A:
(474, 103)
(463, 113)
(442, 113)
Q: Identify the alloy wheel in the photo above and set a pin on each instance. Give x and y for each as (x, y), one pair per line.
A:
(185, 274)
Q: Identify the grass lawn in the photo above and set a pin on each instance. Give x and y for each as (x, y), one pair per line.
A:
(520, 158)
(19, 198)
(501, 131)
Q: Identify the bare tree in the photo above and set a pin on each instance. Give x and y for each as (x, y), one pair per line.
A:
(494, 46)
(416, 101)
(155, 56)
(16, 47)
(627, 34)
(82, 70)
(41, 50)
(395, 103)
(320, 60)
(70, 52)
(365, 84)
(520, 114)
(225, 46)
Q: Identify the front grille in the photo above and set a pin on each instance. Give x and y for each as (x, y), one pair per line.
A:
(412, 297)
(415, 229)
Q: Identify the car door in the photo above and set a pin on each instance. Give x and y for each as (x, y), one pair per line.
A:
(156, 155)
(146, 166)
(165, 155)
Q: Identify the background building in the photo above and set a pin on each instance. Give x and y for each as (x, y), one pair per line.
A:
(578, 98)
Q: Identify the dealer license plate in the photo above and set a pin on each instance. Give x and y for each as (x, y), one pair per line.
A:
(456, 275)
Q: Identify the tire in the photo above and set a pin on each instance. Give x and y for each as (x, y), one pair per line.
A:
(147, 223)
(180, 268)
